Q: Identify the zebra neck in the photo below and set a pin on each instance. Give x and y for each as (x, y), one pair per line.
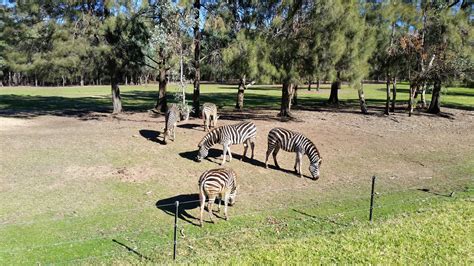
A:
(313, 153)
(212, 139)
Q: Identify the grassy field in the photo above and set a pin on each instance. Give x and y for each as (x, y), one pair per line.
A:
(141, 98)
(79, 186)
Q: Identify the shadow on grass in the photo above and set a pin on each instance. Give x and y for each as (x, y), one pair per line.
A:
(186, 202)
(325, 219)
(152, 135)
(129, 249)
(436, 193)
(27, 106)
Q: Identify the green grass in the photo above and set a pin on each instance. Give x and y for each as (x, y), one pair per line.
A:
(43, 100)
(57, 215)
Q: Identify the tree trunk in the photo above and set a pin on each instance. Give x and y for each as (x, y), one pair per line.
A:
(295, 95)
(9, 78)
(317, 84)
(239, 105)
(116, 98)
(197, 57)
(363, 105)
(82, 80)
(335, 87)
(36, 81)
(333, 98)
(435, 105)
(423, 98)
(309, 85)
(411, 101)
(387, 103)
(163, 82)
(286, 92)
(64, 80)
(394, 94)
(126, 80)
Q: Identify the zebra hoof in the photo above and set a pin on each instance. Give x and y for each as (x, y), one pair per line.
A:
(226, 218)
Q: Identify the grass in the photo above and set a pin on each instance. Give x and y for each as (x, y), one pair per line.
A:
(37, 101)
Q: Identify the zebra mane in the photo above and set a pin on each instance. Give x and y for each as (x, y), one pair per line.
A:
(313, 152)
(210, 138)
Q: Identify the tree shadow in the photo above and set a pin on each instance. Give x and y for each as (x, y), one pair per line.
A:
(186, 202)
(129, 249)
(194, 126)
(152, 135)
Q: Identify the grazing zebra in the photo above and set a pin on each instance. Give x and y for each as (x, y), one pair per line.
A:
(217, 183)
(244, 132)
(208, 110)
(294, 142)
(172, 118)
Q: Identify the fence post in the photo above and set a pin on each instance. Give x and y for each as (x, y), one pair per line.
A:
(175, 228)
(372, 194)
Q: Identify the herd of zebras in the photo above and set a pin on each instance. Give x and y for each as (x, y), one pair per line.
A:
(221, 183)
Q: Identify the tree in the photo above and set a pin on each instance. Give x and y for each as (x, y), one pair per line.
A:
(127, 38)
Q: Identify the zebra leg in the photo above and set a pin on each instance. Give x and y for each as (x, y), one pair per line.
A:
(275, 152)
(174, 132)
(252, 145)
(219, 206)
(246, 146)
(226, 201)
(210, 206)
(202, 200)
(299, 157)
(269, 150)
(224, 154)
(229, 152)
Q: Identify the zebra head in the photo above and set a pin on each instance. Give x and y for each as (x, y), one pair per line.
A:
(232, 196)
(314, 168)
(202, 153)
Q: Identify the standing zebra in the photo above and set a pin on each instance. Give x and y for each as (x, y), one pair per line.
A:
(171, 119)
(243, 132)
(208, 110)
(294, 142)
(217, 183)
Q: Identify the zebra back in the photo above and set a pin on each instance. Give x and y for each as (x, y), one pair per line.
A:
(235, 134)
(291, 141)
(217, 181)
(172, 117)
(209, 109)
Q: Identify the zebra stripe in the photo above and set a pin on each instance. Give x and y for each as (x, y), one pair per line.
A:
(209, 110)
(217, 183)
(171, 119)
(290, 141)
(244, 132)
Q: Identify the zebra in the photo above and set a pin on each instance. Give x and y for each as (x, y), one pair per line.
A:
(294, 142)
(208, 110)
(243, 132)
(217, 183)
(173, 116)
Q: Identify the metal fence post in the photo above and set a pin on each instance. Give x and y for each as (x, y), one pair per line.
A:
(372, 194)
(175, 228)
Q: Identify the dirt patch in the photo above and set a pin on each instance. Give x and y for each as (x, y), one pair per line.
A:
(13, 123)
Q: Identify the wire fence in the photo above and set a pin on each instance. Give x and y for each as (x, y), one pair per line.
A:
(230, 231)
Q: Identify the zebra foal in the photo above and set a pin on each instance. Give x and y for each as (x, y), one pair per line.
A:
(244, 132)
(173, 116)
(209, 110)
(280, 138)
(217, 183)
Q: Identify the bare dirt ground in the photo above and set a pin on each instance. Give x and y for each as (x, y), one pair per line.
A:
(52, 163)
